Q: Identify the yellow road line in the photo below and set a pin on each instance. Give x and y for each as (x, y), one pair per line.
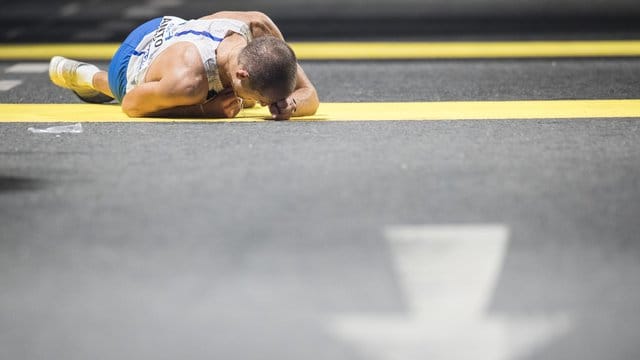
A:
(462, 50)
(447, 110)
(371, 50)
(47, 51)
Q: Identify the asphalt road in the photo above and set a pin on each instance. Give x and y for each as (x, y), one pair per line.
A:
(249, 240)
(435, 80)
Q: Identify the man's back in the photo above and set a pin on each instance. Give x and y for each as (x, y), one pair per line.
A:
(180, 64)
(177, 65)
(204, 34)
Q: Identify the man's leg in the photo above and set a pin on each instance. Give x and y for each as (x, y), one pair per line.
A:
(90, 83)
(101, 83)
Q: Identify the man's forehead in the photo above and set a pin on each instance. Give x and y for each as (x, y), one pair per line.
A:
(265, 97)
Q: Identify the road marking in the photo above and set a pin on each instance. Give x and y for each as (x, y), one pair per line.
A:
(371, 50)
(69, 9)
(446, 110)
(166, 3)
(47, 51)
(141, 11)
(150, 8)
(6, 85)
(465, 50)
(448, 275)
(28, 68)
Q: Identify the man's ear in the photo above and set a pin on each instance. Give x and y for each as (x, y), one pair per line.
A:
(242, 74)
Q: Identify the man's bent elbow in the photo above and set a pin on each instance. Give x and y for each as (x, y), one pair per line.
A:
(134, 107)
(134, 114)
(132, 111)
(313, 104)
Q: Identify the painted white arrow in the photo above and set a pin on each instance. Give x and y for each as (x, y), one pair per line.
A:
(448, 275)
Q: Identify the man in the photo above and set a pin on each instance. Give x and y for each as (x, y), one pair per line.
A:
(209, 67)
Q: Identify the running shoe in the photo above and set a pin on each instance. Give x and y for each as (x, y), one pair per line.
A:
(63, 72)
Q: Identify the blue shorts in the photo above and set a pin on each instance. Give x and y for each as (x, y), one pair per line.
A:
(120, 61)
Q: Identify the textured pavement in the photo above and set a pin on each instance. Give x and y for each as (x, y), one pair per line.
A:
(435, 80)
(193, 241)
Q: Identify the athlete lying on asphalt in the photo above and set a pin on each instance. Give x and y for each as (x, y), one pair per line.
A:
(208, 67)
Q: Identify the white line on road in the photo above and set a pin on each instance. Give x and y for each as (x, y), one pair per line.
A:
(448, 275)
(28, 68)
(150, 8)
(70, 9)
(6, 85)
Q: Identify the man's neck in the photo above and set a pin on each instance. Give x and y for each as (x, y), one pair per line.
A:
(227, 58)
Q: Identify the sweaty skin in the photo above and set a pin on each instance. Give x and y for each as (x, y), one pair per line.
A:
(176, 82)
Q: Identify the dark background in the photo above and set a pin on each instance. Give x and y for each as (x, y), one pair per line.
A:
(98, 20)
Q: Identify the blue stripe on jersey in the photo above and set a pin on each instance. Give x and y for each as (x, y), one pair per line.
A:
(201, 33)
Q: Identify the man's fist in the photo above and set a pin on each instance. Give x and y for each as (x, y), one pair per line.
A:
(283, 109)
(225, 104)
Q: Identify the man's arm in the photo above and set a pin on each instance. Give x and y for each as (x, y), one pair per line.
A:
(169, 92)
(259, 23)
(303, 101)
(223, 105)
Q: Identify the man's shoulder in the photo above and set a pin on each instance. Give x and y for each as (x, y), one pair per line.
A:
(179, 60)
(180, 54)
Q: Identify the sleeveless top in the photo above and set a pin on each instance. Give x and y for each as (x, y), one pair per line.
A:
(206, 35)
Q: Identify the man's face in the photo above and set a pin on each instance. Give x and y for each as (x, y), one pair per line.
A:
(242, 90)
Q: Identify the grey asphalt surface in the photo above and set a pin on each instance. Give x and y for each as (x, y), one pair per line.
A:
(241, 240)
(436, 80)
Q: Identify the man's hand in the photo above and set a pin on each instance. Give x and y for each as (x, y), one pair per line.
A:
(225, 104)
(283, 109)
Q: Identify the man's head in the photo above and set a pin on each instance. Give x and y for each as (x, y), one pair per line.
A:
(267, 70)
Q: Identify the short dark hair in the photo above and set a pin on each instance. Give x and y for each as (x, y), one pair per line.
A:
(272, 66)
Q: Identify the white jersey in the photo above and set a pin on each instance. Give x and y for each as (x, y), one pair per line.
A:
(206, 35)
